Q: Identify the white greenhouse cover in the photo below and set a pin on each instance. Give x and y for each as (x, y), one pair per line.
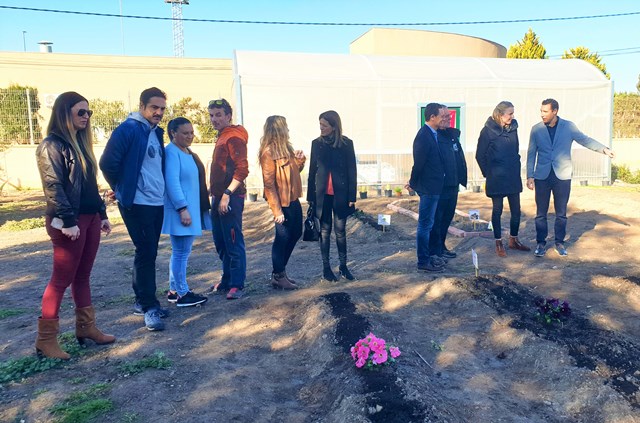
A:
(378, 97)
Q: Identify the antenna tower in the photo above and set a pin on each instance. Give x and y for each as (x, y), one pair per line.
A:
(178, 32)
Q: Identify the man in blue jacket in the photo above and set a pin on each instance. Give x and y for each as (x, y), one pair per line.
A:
(549, 170)
(133, 165)
(427, 179)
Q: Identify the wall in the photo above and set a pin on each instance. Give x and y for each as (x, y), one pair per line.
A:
(19, 163)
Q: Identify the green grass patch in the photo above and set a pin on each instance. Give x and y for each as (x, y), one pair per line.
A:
(10, 312)
(20, 206)
(16, 370)
(23, 225)
(126, 252)
(156, 361)
(84, 406)
(116, 221)
(130, 418)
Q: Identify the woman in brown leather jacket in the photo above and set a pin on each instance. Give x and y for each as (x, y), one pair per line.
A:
(75, 217)
(281, 167)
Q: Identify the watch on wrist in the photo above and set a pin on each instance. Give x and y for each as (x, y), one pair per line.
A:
(228, 191)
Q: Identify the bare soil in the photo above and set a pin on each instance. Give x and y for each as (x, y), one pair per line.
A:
(472, 347)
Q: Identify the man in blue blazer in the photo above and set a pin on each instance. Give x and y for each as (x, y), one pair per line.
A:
(549, 170)
(427, 179)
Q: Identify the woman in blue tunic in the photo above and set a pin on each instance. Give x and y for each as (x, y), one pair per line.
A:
(186, 206)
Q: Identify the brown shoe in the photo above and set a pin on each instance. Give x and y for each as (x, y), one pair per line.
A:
(86, 327)
(280, 281)
(515, 244)
(500, 251)
(47, 341)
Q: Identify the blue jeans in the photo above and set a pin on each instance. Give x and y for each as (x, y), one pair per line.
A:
(287, 235)
(229, 241)
(561, 191)
(144, 224)
(426, 217)
(180, 251)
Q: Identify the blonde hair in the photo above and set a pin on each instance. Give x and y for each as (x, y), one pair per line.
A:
(276, 138)
(500, 110)
(61, 124)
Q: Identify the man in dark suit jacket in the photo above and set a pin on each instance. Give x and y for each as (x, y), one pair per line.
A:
(427, 179)
(549, 169)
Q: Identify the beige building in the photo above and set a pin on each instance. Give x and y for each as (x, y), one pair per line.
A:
(116, 78)
(411, 42)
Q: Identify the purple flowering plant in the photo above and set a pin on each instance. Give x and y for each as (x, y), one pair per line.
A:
(371, 352)
(552, 309)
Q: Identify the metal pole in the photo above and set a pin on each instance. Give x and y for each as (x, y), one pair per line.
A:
(29, 116)
(24, 41)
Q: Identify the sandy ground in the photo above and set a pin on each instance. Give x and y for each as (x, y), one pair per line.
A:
(472, 349)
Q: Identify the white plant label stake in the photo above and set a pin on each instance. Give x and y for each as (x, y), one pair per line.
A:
(474, 256)
(384, 220)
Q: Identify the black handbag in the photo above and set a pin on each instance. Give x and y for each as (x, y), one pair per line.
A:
(311, 226)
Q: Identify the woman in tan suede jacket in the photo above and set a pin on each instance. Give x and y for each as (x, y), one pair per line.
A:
(281, 167)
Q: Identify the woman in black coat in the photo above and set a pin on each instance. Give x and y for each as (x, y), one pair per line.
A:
(498, 156)
(331, 188)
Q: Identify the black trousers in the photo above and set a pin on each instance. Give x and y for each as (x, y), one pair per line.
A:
(144, 224)
(287, 235)
(444, 215)
(340, 225)
(496, 214)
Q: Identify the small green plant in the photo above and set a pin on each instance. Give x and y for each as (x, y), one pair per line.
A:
(23, 225)
(10, 312)
(77, 380)
(129, 418)
(625, 174)
(15, 370)
(398, 190)
(364, 188)
(551, 310)
(83, 406)
(156, 361)
(437, 346)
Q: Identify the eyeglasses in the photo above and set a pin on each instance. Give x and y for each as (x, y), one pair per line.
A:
(221, 102)
(82, 112)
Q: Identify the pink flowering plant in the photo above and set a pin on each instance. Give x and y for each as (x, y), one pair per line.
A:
(371, 351)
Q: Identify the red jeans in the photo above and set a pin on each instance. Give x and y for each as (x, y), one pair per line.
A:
(72, 264)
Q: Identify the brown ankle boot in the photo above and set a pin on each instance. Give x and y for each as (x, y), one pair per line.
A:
(47, 341)
(86, 327)
(500, 251)
(290, 280)
(280, 281)
(514, 244)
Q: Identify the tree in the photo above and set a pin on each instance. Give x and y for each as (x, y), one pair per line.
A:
(529, 48)
(198, 115)
(626, 115)
(584, 54)
(16, 125)
(107, 115)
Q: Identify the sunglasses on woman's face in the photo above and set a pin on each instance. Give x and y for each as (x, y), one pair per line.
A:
(82, 112)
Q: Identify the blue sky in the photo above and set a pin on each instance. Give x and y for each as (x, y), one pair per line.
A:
(104, 35)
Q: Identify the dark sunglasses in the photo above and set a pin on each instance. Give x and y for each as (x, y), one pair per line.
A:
(221, 102)
(82, 112)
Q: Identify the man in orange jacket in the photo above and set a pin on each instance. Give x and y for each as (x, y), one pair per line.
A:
(229, 169)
